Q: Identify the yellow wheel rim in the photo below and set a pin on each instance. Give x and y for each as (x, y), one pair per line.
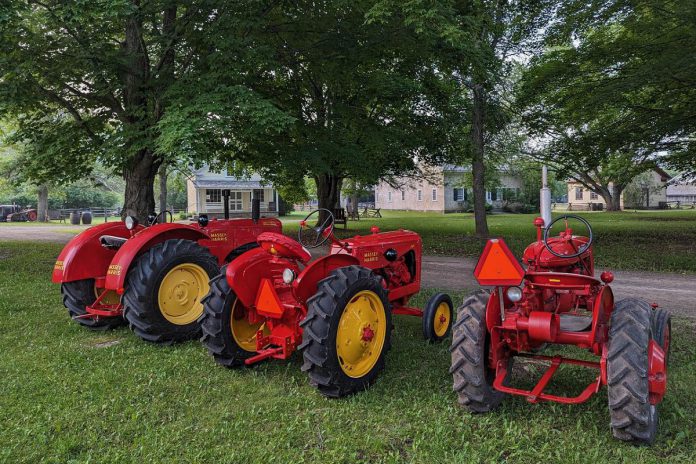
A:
(111, 297)
(361, 333)
(443, 315)
(180, 293)
(243, 332)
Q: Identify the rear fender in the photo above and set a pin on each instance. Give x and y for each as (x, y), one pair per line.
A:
(306, 283)
(141, 242)
(245, 273)
(84, 257)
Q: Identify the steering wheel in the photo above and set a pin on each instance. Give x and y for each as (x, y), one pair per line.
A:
(568, 236)
(316, 236)
(155, 220)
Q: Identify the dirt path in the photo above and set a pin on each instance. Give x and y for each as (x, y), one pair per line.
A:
(675, 292)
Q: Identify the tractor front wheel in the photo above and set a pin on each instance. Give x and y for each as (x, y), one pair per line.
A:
(227, 333)
(78, 295)
(473, 377)
(164, 289)
(437, 317)
(347, 332)
(633, 417)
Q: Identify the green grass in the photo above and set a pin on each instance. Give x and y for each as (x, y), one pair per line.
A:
(647, 240)
(71, 395)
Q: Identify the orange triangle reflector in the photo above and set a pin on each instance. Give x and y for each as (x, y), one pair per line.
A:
(498, 266)
(267, 301)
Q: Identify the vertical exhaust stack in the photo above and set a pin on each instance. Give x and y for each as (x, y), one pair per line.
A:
(545, 197)
(226, 203)
(255, 208)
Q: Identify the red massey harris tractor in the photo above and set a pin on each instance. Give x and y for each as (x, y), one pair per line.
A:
(154, 277)
(336, 310)
(559, 301)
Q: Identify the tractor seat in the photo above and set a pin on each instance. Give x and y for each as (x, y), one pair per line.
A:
(111, 242)
(571, 323)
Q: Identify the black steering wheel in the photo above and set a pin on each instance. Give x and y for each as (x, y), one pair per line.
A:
(155, 219)
(315, 236)
(580, 250)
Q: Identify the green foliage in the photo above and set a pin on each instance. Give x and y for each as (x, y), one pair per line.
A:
(613, 92)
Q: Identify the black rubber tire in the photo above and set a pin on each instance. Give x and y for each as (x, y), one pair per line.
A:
(473, 380)
(661, 325)
(215, 324)
(324, 312)
(429, 317)
(140, 307)
(237, 252)
(633, 418)
(79, 294)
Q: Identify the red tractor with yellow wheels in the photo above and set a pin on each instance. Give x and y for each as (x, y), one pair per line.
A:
(558, 301)
(337, 310)
(152, 277)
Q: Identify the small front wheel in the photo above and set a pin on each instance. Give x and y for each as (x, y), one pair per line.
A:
(437, 317)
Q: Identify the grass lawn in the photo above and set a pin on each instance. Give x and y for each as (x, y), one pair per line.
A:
(644, 240)
(71, 395)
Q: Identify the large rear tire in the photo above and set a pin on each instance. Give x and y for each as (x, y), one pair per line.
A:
(79, 294)
(347, 332)
(227, 335)
(473, 377)
(164, 289)
(633, 418)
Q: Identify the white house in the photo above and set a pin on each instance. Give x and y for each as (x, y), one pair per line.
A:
(204, 191)
(444, 191)
(682, 188)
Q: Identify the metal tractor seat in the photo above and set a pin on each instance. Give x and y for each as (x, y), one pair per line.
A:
(572, 323)
(111, 242)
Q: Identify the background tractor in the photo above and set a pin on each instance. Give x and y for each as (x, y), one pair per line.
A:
(558, 301)
(15, 213)
(337, 310)
(154, 277)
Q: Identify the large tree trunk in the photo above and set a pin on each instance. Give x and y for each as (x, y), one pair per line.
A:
(328, 192)
(611, 197)
(140, 180)
(42, 206)
(163, 188)
(478, 168)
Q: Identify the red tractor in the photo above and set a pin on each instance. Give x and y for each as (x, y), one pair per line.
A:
(336, 310)
(559, 301)
(154, 277)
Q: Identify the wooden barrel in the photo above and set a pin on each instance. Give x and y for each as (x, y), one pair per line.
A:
(86, 217)
(74, 218)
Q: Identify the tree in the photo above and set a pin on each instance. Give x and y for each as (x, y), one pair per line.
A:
(613, 94)
(475, 47)
(350, 93)
(92, 80)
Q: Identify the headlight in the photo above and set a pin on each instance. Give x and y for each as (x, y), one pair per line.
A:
(131, 222)
(288, 276)
(514, 294)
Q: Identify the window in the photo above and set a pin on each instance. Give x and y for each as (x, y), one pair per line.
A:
(578, 193)
(235, 201)
(434, 195)
(213, 196)
(593, 196)
(494, 195)
(458, 194)
(420, 195)
(403, 195)
(389, 197)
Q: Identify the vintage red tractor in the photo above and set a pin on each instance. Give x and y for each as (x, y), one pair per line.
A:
(558, 301)
(154, 277)
(336, 310)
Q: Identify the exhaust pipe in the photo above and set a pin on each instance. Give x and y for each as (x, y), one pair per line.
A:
(545, 197)
(226, 203)
(255, 209)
